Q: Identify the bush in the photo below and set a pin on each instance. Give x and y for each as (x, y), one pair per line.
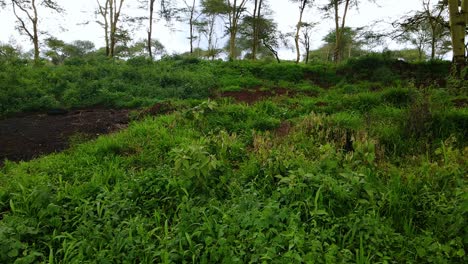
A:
(399, 97)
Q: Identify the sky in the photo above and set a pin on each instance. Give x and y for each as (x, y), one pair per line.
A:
(78, 22)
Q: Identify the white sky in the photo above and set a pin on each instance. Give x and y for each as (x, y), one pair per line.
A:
(70, 26)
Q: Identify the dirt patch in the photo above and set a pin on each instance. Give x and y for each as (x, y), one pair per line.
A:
(157, 109)
(28, 137)
(460, 102)
(255, 95)
(321, 104)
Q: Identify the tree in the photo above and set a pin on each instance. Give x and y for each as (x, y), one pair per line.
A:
(425, 29)
(192, 17)
(418, 35)
(265, 33)
(333, 6)
(140, 48)
(306, 38)
(211, 9)
(235, 10)
(110, 11)
(409, 55)
(166, 10)
(27, 16)
(256, 20)
(9, 54)
(458, 12)
(303, 4)
(352, 42)
(58, 51)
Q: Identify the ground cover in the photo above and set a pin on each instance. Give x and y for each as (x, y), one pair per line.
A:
(358, 172)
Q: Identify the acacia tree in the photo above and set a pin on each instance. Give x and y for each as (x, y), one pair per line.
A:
(211, 10)
(256, 20)
(334, 6)
(235, 10)
(458, 12)
(306, 38)
(265, 29)
(27, 16)
(110, 11)
(425, 28)
(166, 9)
(303, 4)
(190, 10)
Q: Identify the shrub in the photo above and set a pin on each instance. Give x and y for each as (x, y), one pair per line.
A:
(399, 97)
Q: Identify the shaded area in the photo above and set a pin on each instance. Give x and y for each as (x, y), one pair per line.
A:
(28, 137)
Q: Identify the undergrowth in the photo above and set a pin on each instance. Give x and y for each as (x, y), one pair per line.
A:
(216, 182)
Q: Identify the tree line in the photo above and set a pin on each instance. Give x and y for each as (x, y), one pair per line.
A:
(251, 31)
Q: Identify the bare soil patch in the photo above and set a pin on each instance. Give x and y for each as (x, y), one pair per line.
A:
(460, 102)
(30, 136)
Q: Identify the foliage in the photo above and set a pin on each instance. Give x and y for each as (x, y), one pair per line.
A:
(338, 171)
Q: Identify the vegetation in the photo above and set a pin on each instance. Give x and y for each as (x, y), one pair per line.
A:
(355, 157)
(370, 170)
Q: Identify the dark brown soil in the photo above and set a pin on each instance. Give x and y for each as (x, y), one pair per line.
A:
(30, 136)
(460, 102)
(255, 95)
(157, 109)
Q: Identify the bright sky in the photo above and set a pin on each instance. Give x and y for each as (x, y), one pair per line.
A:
(71, 25)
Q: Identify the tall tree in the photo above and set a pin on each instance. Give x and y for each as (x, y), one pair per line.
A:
(166, 8)
(190, 10)
(458, 12)
(426, 27)
(140, 48)
(150, 28)
(265, 33)
(303, 4)
(257, 16)
(235, 10)
(110, 11)
(306, 38)
(212, 10)
(334, 7)
(27, 16)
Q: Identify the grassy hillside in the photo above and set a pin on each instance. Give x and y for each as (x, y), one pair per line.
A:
(139, 82)
(340, 168)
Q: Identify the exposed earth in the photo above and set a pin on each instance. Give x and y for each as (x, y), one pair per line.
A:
(30, 136)
(26, 137)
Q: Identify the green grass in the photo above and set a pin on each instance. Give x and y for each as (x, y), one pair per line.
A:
(224, 182)
(214, 183)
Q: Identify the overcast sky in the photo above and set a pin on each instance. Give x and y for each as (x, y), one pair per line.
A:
(70, 25)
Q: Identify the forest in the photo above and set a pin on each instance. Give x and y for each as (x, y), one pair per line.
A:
(350, 151)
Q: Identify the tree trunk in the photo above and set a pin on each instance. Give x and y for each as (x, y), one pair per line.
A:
(298, 29)
(232, 44)
(35, 32)
(339, 30)
(192, 12)
(254, 29)
(458, 21)
(232, 30)
(433, 47)
(150, 29)
(275, 53)
(210, 36)
(112, 29)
